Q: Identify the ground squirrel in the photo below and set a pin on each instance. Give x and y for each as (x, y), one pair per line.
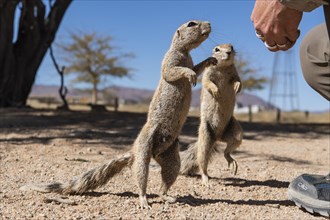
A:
(167, 113)
(220, 84)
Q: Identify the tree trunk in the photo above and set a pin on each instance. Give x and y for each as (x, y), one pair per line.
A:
(20, 59)
(94, 93)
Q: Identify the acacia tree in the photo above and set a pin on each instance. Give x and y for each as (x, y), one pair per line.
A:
(92, 58)
(23, 46)
(248, 75)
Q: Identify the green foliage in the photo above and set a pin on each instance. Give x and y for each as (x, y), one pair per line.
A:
(250, 79)
(90, 55)
(93, 58)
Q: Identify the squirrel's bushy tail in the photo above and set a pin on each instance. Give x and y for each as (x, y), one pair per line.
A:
(189, 165)
(90, 180)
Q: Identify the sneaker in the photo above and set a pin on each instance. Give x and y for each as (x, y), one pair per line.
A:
(312, 192)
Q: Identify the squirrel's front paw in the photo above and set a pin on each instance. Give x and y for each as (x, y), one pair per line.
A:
(211, 61)
(215, 92)
(192, 77)
(237, 87)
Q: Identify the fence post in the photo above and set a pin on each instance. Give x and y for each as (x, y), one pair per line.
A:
(306, 115)
(250, 113)
(116, 104)
(278, 115)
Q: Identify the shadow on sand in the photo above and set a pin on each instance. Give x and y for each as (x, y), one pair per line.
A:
(121, 127)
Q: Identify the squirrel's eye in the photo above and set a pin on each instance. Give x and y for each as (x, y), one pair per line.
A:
(232, 48)
(216, 49)
(191, 24)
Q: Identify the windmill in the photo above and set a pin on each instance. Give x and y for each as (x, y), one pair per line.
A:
(283, 85)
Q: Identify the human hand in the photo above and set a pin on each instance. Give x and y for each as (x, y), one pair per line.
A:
(275, 24)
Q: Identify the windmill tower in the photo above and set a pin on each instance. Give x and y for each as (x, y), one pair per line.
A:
(284, 88)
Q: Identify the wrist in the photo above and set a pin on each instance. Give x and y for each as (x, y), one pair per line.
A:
(303, 5)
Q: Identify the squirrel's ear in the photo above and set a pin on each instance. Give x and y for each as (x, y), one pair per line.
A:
(178, 33)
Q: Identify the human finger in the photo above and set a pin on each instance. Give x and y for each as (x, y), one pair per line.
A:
(271, 46)
(293, 35)
(284, 46)
(285, 42)
(260, 35)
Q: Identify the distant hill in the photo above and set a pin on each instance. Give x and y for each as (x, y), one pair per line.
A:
(134, 95)
(124, 94)
(44, 90)
(131, 95)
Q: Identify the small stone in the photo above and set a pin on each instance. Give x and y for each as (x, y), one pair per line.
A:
(43, 215)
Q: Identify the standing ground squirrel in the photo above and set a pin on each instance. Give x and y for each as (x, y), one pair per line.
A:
(220, 83)
(159, 136)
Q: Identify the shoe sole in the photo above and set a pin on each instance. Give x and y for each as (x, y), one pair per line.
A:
(300, 200)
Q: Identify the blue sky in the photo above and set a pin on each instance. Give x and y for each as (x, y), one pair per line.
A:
(146, 29)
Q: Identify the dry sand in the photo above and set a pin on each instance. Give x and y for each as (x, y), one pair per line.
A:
(45, 146)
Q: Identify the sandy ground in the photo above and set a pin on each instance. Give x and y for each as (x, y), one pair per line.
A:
(47, 146)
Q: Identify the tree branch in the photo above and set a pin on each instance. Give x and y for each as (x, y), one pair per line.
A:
(55, 16)
(63, 90)
(41, 15)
